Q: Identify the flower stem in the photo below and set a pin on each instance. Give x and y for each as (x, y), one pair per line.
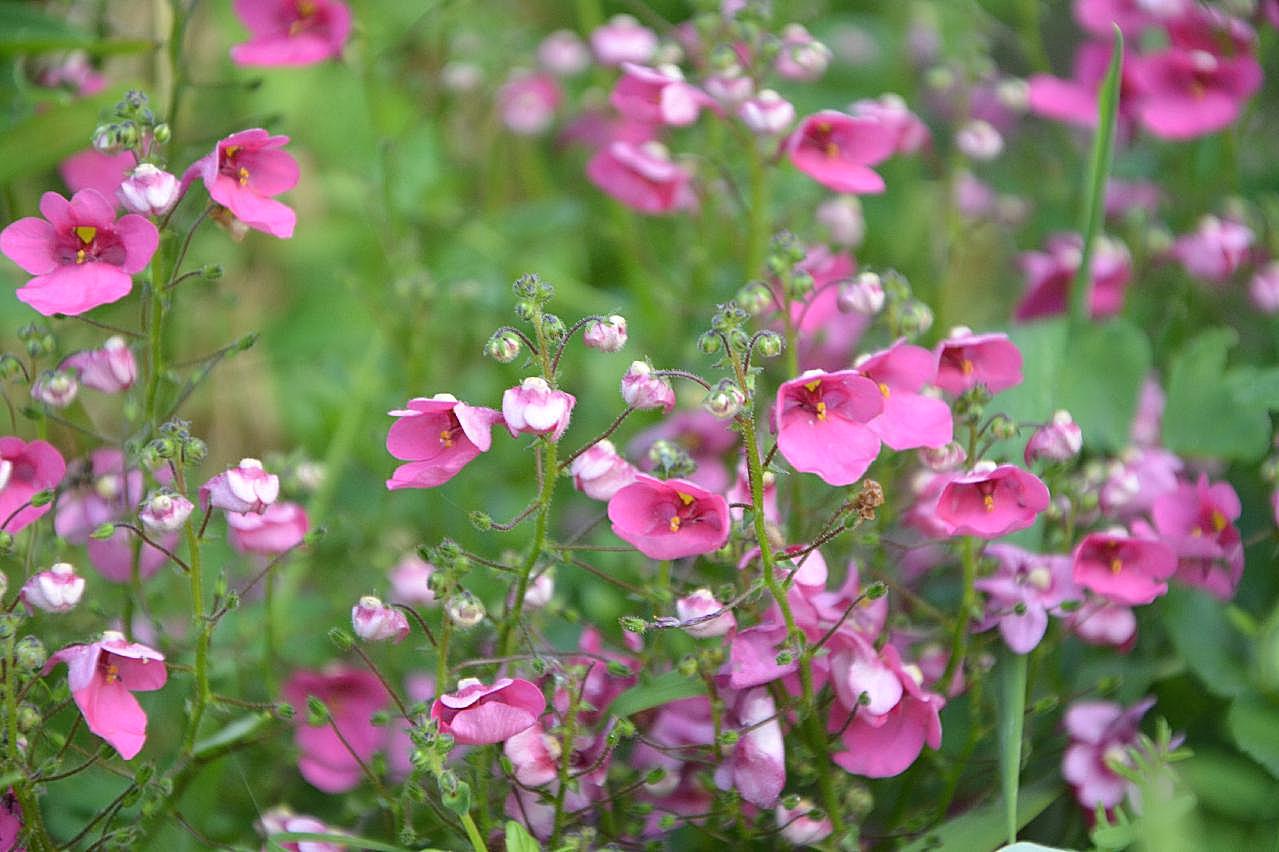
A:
(959, 643)
(550, 472)
(473, 833)
(199, 622)
(566, 765)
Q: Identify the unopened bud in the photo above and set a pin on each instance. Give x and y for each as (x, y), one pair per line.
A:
(725, 399)
(464, 609)
(503, 347)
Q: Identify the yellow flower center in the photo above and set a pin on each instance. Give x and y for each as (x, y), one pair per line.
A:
(989, 502)
(686, 499)
(113, 673)
(79, 256)
(813, 385)
(1116, 565)
(966, 366)
(1218, 520)
(244, 176)
(883, 388)
(675, 522)
(821, 411)
(446, 438)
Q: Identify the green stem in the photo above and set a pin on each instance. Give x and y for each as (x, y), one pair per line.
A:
(1011, 708)
(550, 472)
(155, 337)
(959, 642)
(35, 835)
(442, 655)
(11, 700)
(566, 766)
(473, 833)
(199, 623)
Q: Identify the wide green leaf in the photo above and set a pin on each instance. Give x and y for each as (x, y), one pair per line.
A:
(663, 689)
(518, 839)
(983, 827)
(1215, 411)
(1203, 636)
(1253, 722)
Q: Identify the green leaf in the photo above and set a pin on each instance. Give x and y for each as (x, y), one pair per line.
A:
(663, 689)
(348, 839)
(1213, 411)
(44, 140)
(1011, 708)
(26, 30)
(1253, 722)
(983, 827)
(1099, 381)
(518, 839)
(1231, 785)
(239, 730)
(1203, 636)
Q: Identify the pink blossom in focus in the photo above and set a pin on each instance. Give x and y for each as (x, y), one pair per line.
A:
(992, 501)
(352, 696)
(80, 254)
(799, 827)
(910, 419)
(642, 389)
(837, 151)
(291, 32)
(669, 519)
(247, 487)
(528, 103)
(601, 471)
(1099, 731)
(282, 527)
(244, 173)
(534, 408)
(643, 177)
(103, 676)
(57, 589)
(757, 766)
(1198, 521)
(623, 39)
(708, 616)
(1050, 275)
(967, 360)
(148, 191)
(823, 424)
(1123, 569)
(110, 369)
(165, 511)
(1214, 250)
(437, 437)
(478, 713)
(607, 334)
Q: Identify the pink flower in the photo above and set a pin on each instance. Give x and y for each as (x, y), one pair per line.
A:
(701, 434)
(56, 590)
(757, 766)
(979, 140)
(1215, 250)
(374, 621)
(282, 527)
(642, 389)
(843, 220)
(823, 424)
(281, 820)
(799, 827)
(1025, 590)
(990, 501)
(244, 173)
(864, 295)
(601, 471)
(1050, 275)
(479, 714)
(642, 177)
(910, 419)
(1126, 570)
(1264, 288)
(1060, 439)
(103, 676)
(837, 151)
(767, 114)
(534, 408)
(1132, 16)
(608, 334)
(92, 169)
(704, 617)
(801, 57)
(527, 103)
(82, 256)
(657, 96)
(669, 519)
(1184, 93)
(908, 132)
(1100, 622)
(623, 39)
(563, 53)
(110, 369)
(101, 489)
(165, 511)
(148, 191)
(10, 821)
(437, 437)
(411, 581)
(1100, 731)
(25, 469)
(1198, 522)
(55, 389)
(291, 32)
(352, 696)
(244, 488)
(534, 755)
(113, 557)
(1074, 100)
(967, 360)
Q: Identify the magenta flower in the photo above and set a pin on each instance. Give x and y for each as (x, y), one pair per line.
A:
(1184, 93)
(823, 424)
(1050, 274)
(103, 676)
(534, 408)
(527, 103)
(910, 419)
(282, 527)
(479, 714)
(291, 32)
(882, 745)
(1123, 569)
(990, 501)
(244, 173)
(437, 437)
(25, 469)
(967, 360)
(757, 766)
(837, 150)
(669, 519)
(642, 176)
(657, 96)
(601, 471)
(1198, 522)
(91, 169)
(352, 696)
(110, 369)
(246, 487)
(1214, 250)
(1074, 100)
(909, 133)
(1025, 590)
(1100, 731)
(82, 256)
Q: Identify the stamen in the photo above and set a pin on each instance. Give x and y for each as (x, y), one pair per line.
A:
(1218, 520)
(813, 385)
(966, 366)
(446, 438)
(989, 502)
(86, 233)
(883, 388)
(686, 499)
(1116, 565)
(821, 411)
(675, 522)
(79, 256)
(832, 151)
(113, 673)
(231, 150)
(244, 176)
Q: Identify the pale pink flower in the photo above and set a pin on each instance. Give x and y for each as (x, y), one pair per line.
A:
(798, 827)
(148, 191)
(837, 151)
(979, 140)
(352, 696)
(282, 527)
(823, 424)
(1264, 288)
(608, 334)
(757, 766)
(767, 114)
(437, 437)
(411, 581)
(564, 53)
(1214, 250)
(374, 621)
(657, 96)
(291, 32)
(703, 616)
(55, 389)
(623, 39)
(909, 133)
(843, 220)
(528, 103)
(165, 511)
(110, 369)
(669, 519)
(1100, 731)
(1059, 440)
(479, 714)
(1024, 591)
(642, 389)
(247, 487)
(57, 589)
(601, 471)
(864, 295)
(642, 176)
(1101, 622)
(801, 57)
(244, 173)
(534, 755)
(534, 408)
(281, 820)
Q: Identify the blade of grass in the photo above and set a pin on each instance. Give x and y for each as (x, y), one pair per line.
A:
(1011, 677)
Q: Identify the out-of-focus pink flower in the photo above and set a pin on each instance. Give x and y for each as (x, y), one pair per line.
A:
(623, 39)
(1264, 288)
(991, 501)
(740, 492)
(1098, 17)
(1100, 731)
(528, 103)
(601, 471)
(658, 96)
(1214, 250)
(910, 419)
(1025, 590)
(165, 511)
(103, 676)
(247, 487)
(642, 389)
(148, 191)
(95, 170)
(972, 197)
(55, 388)
(643, 177)
(374, 621)
(113, 557)
(534, 755)
(757, 766)
(1126, 197)
(837, 150)
(57, 589)
(291, 32)
(281, 820)
(864, 295)
(843, 220)
(823, 424)
(1198, 522)
(352, 696)
(1050, 274)
(801, 57)
(110, 369)
(280, 528)
(437, 437)
(767, 114)
(1074, 100)
(80, 254)
(608, 334)
(564, 53)
(1134, 483)
(707, 616)
(730, 86)
(1101, 622)
(979, 140)
(702, 435)
(10, 821)
(827, 335)
(99, 490)
(1185, 93)
(1123, 569)
(1147, 421)
(1060, 439)
(669, 519)
(908, 132)
(479, 713)
(411, 581)
(799, 827)
(966, 360)
(245, 172)
(534, 408)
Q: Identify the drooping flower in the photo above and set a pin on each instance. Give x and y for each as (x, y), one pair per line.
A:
(1124, 569)
(110, 369)
(607, 334)
(534, 408)
(669, 519)
(247, 487)
(374, 621)
(25, 469)
(148, 191)
(757, 766)
(910, 419)
(601, 471)
(801, 56)
(244, 173)
(1050, 275)
(1060, 439)
(767, 113)
(642, 176)
(837, 150)
(57, 589)
(1025, 590)
(823, 424)
(291, 32)
(1100, 731)
(966, 360)
(1198, 522)
(803, 825)
(281, 820)
(282, 527)
(992, 500)
(56, 389)
(437, 436)
(80, 254)
(103, 676)
(352, 696)
(165, 511)
(642, 389)
(865, 295)
(479, 713)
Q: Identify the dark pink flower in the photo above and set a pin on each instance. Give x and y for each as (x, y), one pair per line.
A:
(103, 676)
(352, 696)
(1100, 731)
(291, 32)
(822, 424)
(658, 96)
(837, 150)
(643, 177)
(1198, 521)
(244, 173)
(82, 256)
(966, 360)
(669, 519)
(910, 419)
(1050, 275)
(10, 821)
(1182, 93)
(1132, 16)
(280, 528)
(1024, 591)
(1123, 569)
(991, 501)
(479, 713)
(25, 469)
(437, 437)
(1074, 100)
